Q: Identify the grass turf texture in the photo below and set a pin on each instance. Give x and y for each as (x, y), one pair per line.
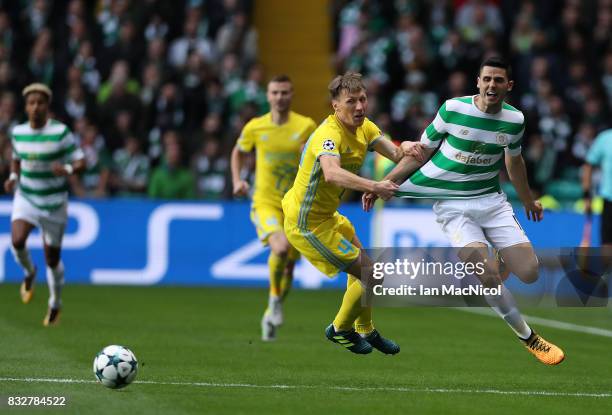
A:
(212, 336)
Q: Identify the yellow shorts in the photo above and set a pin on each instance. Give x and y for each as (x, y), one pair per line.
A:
(267, 220)
(328, 246)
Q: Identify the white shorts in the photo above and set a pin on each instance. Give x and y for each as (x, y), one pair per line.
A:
(488, 219)
(52, 223)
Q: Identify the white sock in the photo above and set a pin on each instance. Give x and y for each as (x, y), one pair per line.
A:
(505, 306)
(55, 279)
(273, 302)
(22, 257)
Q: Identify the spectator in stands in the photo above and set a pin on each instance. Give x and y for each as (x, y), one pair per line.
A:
(93, 182)
(237, 36)
(131, 167)
(8, 117)
(87, 64)
(190, 42)
(210, 167)
(171, 180)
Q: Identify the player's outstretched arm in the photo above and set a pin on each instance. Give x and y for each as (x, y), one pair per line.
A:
(69, 169)
(388, 149)
(518, 176)
(336, 175)
(414, 156)
(240, 187)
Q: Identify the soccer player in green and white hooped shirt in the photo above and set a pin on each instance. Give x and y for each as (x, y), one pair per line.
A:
(464, 148)
(44, 154)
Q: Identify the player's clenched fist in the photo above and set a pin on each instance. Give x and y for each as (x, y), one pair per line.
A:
(413, 149)
(385, 189)
(9, 185)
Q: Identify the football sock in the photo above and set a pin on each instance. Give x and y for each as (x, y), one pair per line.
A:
(272, 301)
(22, 257)
(285, 283)
(276, 266)
(351, 306)
(505, 306)
(55, 279)
(363, 323)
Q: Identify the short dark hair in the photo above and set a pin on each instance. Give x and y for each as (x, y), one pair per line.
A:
(497, 62)
(351, 81)
(280, 78)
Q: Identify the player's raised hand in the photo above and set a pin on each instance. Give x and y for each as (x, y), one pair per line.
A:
(385, 189)
(413, 149)
(368, 200)
(534, 211)
(241, 188)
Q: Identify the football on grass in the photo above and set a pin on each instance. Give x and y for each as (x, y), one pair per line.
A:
(115, 366)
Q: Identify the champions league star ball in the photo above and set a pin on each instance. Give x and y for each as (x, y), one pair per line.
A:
(115, 367)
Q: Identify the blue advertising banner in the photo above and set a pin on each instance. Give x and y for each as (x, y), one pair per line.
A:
(142, 242)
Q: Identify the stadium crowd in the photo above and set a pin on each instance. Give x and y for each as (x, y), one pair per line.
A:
(155, 91)
(158, 91)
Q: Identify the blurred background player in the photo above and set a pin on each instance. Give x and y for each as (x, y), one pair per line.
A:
(330, 161)
(44, 154)
(464, 148)
(278, 138)
(600, 155)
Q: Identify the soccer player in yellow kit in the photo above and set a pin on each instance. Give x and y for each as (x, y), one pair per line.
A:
(278, 138)
(330, 161)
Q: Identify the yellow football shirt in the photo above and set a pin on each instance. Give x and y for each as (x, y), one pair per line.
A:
(311, 199)
(278, 153)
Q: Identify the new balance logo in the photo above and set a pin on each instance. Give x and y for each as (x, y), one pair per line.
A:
(464, 132)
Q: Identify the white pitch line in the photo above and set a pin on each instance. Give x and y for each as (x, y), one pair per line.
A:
(338, 388)
(562, 325)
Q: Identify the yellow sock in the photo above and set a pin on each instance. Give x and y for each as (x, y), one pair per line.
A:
(363, 323)
(287, 279)
(351, 305)
(276, 266)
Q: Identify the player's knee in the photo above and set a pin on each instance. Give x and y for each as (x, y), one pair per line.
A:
(52, 258)
(280, 250)
(18, 241)
(529, 271)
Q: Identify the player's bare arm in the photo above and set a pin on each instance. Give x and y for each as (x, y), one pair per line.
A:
(11, 182)
(518, 176)
(415, 156)
(335, 174)
(388, 149)
(240, 187)
(68, 169)
(587, 182)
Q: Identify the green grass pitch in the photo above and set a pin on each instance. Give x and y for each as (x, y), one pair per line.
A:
(199, 352)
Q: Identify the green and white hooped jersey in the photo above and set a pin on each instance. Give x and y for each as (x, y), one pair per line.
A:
(37, 150)
(468, 161)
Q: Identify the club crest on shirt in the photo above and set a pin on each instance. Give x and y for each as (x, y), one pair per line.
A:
(502, 139)
(329, 145)
(478, 148)
(295, 136)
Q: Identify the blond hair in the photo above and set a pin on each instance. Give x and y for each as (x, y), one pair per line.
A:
(351, 81)
(37, 87)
